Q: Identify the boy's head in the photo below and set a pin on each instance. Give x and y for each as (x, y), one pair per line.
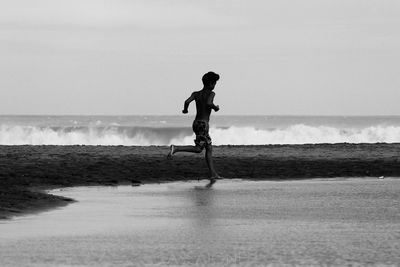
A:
(210, 79)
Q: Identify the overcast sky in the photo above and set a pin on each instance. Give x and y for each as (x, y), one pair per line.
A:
(309, 57)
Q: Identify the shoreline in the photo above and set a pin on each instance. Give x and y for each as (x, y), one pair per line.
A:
(26, 171)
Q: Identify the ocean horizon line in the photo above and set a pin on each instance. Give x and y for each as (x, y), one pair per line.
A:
(214, 115)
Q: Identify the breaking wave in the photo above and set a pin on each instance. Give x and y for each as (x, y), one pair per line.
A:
(145, 136)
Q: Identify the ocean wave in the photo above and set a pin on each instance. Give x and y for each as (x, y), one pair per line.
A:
(145, 136)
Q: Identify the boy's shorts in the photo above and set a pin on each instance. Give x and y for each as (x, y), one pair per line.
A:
(200, 128)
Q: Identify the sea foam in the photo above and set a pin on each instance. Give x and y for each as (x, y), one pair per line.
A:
(145, 136)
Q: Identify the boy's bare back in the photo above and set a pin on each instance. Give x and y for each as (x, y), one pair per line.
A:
(204, 104)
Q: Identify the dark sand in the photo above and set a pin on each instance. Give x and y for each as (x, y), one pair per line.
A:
(25, 171)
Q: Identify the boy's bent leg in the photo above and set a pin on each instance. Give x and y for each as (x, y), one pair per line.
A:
(191, 149)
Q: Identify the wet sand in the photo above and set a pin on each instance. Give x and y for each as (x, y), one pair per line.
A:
(319, 222)
(26, 170)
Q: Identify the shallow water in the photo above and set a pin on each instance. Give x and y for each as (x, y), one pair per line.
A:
(310, 222)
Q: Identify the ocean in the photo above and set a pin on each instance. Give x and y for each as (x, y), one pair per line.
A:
(224, 130)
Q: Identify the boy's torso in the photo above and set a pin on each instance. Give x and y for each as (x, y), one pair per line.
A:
(203, 110)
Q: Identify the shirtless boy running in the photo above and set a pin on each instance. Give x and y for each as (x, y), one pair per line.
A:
(204, 104)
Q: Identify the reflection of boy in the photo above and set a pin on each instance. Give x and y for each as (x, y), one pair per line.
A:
(204, 104)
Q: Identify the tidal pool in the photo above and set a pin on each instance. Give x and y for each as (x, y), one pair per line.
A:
(307, 222)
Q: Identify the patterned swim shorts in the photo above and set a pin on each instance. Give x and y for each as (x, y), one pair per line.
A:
(200, 128)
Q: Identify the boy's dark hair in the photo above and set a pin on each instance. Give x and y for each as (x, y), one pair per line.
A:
(210, 77)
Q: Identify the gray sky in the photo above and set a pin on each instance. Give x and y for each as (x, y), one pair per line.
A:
(309, 57)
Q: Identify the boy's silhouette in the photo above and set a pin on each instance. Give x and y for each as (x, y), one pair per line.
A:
(204, 104)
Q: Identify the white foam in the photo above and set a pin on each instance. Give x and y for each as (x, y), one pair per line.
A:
(296, 134)
(303, 134)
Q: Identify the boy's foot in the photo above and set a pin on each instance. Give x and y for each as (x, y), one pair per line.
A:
(171, 152)
(213, 180)
(216, 177)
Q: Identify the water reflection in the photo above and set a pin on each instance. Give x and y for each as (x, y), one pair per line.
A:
(202, 203)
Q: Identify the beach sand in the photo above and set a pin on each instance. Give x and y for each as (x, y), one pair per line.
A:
(26, 171)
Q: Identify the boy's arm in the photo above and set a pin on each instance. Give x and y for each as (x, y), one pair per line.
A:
(210, 102)
(186, 104)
